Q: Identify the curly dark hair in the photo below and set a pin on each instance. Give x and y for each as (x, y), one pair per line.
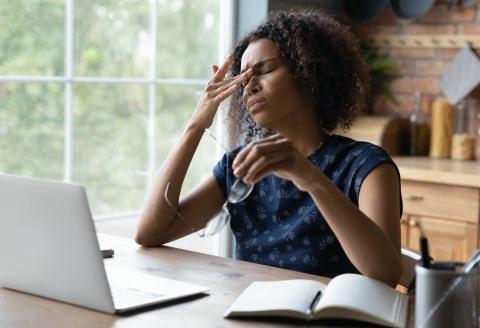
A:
(325, 60)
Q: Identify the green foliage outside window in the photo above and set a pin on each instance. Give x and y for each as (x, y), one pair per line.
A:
(110, 121)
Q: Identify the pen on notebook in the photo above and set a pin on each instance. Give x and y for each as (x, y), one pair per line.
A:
(424, 252)
(315, 300)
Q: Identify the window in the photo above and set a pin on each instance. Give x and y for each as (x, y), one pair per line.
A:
(96, 91)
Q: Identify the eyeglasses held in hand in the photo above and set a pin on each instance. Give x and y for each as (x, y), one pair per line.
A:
(238, 193)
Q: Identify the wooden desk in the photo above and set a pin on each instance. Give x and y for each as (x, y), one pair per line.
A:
(226, 279)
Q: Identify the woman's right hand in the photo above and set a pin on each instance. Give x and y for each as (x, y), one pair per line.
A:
(217, 90)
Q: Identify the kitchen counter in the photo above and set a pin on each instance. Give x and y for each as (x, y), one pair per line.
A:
(445, 171)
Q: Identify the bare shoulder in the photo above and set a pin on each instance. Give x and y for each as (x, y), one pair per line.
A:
(380, 199)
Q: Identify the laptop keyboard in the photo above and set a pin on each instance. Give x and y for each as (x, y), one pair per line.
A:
(131, 289)
(129, 296)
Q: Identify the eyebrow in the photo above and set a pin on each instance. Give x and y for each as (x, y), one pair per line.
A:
(259, 63)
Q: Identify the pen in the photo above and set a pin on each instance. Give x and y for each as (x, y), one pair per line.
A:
(424, 251)
(315, 300)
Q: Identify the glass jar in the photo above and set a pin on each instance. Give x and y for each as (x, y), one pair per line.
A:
(463, 140)
(474, 124)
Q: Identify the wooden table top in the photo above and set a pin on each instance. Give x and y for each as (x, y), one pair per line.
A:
(226, 279)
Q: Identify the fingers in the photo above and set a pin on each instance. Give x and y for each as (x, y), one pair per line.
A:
(214, 69)
(221, 90)
(226, 93)
(262, 156)
(259, 152)
(241, 157)
(214, 94)
(219, 74)
(224, 85)
(265, 165)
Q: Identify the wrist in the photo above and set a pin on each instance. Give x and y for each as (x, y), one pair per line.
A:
(310, 179)
(193, 127)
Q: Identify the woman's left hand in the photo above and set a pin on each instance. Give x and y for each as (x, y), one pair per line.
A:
(273, 155)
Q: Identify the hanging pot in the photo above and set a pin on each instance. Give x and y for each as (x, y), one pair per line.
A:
(411, 9)
(364, 10)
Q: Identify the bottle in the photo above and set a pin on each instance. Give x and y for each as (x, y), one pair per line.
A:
(419, 129)
(463, 140)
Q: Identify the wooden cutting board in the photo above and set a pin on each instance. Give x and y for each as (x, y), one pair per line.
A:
(389, 132)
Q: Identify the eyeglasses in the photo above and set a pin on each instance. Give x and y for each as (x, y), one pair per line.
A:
(238, 193)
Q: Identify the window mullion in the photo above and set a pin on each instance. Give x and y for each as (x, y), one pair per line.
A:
(68, 72)
(152, 153)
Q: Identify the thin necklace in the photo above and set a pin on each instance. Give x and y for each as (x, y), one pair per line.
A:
(316, 149)
(319, 145)
(322, 142)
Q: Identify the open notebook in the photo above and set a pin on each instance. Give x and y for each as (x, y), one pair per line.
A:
(347, 296)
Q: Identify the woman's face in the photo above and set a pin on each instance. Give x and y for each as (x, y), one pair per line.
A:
(271, 95)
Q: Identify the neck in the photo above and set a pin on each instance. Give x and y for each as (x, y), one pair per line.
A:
(306, 143)
(303, 131)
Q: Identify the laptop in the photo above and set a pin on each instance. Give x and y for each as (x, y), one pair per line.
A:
(49, 248)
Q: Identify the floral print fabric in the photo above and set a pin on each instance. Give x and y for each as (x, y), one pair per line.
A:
(279, 225)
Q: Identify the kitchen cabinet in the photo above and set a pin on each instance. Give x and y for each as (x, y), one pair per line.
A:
(441, 199)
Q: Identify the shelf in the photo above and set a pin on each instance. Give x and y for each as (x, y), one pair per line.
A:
(425, 41)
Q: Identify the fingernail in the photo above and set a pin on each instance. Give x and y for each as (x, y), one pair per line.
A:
(238, 171)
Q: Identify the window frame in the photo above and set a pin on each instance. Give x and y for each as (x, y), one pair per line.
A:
(68, 80)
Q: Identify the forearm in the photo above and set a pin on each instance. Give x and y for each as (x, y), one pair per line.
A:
(367, 246)
(157, 217)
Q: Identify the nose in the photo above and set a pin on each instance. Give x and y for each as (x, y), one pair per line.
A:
(251, 87)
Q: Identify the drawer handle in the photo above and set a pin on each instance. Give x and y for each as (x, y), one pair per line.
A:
(415, 198)
(414, 223)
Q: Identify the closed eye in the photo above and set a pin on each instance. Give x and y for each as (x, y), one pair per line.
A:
(263, 68)
(266, 70)
(260, 71)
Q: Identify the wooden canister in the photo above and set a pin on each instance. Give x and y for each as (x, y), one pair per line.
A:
(442, 126)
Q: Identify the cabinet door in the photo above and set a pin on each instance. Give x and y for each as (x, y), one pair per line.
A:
(447, 240)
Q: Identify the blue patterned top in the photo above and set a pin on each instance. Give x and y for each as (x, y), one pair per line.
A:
(279, 225)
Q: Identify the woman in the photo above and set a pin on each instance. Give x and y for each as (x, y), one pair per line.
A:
(322, 203)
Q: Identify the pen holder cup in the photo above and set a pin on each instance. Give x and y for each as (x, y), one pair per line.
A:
(446, 298)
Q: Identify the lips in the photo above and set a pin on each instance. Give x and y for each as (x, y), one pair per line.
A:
(254, 103)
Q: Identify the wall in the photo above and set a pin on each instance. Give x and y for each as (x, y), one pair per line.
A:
(248, 14)
(421, 68)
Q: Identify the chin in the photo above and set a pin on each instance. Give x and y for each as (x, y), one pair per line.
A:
(260, 121)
